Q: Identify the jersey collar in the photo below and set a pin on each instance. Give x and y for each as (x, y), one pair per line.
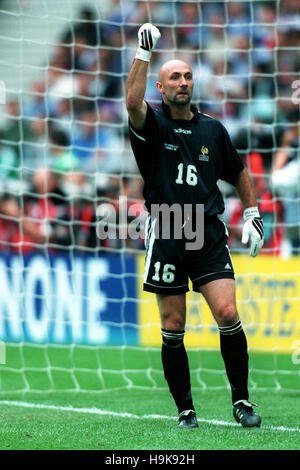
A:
(166, 110)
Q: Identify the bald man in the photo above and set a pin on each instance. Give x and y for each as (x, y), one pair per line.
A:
(181, 154)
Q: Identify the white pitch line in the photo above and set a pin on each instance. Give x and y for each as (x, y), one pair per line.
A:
(97, 411)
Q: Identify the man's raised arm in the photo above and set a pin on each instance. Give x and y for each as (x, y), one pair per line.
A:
(148, 35)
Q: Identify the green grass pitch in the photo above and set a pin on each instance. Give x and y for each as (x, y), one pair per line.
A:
(80, 398)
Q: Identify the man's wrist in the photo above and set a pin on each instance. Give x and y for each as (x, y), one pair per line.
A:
(142, 54)
(251, 212)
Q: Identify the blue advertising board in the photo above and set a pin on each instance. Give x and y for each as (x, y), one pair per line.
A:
(68, 299)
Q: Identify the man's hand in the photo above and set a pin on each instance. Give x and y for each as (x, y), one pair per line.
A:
(148, 36)
(254, 230)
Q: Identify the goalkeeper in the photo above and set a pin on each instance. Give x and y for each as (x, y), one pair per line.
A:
(181, 155)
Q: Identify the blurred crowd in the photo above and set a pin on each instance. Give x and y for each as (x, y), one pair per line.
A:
(64, 147)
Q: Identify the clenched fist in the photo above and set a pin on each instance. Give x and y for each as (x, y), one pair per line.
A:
(148, 35)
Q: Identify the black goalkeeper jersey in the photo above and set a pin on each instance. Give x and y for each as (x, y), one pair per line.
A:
(182, 160)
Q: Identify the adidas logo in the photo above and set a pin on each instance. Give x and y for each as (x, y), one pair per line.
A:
(227, 266)
(182, 131)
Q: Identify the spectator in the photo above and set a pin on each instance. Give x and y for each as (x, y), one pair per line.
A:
(238, 15)
(286, 183)
(215, 39)
(61, 158)
(14, 226)
(8, 163)
(264, 34)
(63, 118)
(96, 146)
(189, 31)
(46, 207)
(86, 26)
(17, 132)
(271, 210)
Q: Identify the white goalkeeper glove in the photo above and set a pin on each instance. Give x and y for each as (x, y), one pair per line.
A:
(254, 230)
(148, 35)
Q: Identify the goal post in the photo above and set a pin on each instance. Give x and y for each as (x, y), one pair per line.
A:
(73, 315)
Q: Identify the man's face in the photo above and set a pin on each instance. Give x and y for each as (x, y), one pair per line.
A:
(176, 83)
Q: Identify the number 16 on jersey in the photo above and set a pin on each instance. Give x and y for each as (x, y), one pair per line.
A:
(188, 175)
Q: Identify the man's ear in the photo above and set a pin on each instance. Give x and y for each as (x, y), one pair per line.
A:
(159, 87)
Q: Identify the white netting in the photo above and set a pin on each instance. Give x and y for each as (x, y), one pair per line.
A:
(64, 151)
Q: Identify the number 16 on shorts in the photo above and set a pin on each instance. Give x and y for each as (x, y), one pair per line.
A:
(166, 273)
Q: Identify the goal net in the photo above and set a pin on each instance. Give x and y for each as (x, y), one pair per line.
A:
(73, 315)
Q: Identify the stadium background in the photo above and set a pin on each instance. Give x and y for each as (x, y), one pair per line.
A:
(64, 150)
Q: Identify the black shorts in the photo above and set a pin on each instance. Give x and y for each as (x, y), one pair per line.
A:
(169, 265)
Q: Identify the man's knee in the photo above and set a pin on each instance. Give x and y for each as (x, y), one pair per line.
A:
(172, 312)
(172, 321)
(226, 314)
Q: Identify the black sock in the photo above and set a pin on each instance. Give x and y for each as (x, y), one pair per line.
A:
(233, 344)
(176, 369)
